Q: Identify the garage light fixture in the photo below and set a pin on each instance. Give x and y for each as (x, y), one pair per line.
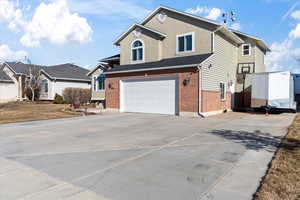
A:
(110, 86)
(186, 81)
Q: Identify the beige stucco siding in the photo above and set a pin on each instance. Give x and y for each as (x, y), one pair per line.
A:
(223, 65)
(176, 24)
(151, 47)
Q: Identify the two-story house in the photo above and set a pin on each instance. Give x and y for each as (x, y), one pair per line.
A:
(180, 64)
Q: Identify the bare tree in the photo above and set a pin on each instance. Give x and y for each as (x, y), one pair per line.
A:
(34, 80)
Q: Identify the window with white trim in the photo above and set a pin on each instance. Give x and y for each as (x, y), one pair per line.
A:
(246, 49)
(45, 87)
(137, 51)
(185, 43)
(101, 82)
(222, 91)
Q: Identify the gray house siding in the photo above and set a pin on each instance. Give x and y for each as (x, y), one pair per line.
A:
(222, 66)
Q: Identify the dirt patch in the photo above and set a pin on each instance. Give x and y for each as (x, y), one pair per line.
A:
(283, 177)
(23, 112)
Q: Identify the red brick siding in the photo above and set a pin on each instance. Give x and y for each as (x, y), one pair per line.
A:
(212, 101)
(188, 95)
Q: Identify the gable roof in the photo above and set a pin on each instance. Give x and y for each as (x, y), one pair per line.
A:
(20, 68)
(121, 37)
(259, 41)
(67, 72)
(232, 34)
(64, 71)
(158, 9)
(103, 66)
(170, 63)
(4, 77)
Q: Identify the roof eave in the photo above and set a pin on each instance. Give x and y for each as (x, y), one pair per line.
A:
(7, 81)
(100, 65)
(121, 37)
(176, 11)
(109, 59)
(230, 35)
(73, 79)
(262, 43)
(159, 68)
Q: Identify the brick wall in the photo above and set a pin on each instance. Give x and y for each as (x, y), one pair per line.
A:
(211, 101)
(188, 95)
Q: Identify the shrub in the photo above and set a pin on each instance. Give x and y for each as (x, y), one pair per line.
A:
(58, 99)
(37, 93)
(75, 95)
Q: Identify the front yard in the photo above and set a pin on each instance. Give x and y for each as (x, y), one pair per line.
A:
(283, 178)
(23, 112)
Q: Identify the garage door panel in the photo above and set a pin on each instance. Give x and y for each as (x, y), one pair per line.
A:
(150, 96)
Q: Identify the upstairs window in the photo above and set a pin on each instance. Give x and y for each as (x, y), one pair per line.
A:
(246, 50)
(185, 43)
(137, 51)
(101, 82)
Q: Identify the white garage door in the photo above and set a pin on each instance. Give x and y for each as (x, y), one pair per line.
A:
(150, 96)
(8, 92)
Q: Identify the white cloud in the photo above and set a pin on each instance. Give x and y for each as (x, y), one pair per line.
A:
(11, 14)
(296, 15)
(280, 53)
(289, 11)
(109, 8)
(199, 10)
(214, 14)
(295, 33)
(55, 22)
(7, 54)
(210, 13)
(284, 56)
(236, 26)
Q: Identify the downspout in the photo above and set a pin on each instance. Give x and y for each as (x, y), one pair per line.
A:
(200, 95)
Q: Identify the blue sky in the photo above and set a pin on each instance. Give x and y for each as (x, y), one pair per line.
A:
(79, 31)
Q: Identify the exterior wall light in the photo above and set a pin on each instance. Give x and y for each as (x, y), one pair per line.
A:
(110, 86)
(186, 81)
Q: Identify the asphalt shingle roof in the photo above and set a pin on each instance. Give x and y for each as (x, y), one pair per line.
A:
(67, 71)
(111, 57)
(165, 63)
(63, 71)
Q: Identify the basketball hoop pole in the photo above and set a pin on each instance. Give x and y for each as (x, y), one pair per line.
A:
(243, 99)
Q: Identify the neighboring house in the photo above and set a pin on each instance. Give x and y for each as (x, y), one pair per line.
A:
(54, 79)
(98, 77)
(177, 63)
(8, 87)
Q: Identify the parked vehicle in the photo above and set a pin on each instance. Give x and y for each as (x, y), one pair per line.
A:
(273, 90)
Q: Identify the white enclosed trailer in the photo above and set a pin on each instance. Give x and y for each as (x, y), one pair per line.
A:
(273, 90)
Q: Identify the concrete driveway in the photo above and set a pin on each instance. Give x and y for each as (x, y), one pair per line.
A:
(138, 157)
